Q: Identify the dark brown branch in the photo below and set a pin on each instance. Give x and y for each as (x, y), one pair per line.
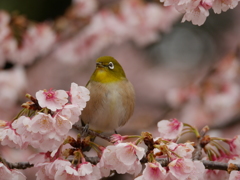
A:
(212, 165)
(19, 165)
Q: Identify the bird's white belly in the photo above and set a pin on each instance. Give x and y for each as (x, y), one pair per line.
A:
(108, 116)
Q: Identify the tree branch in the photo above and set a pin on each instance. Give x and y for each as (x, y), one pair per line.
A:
(19, 165)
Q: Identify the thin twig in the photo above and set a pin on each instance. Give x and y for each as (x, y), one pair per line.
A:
(197, 153)
(18, 165)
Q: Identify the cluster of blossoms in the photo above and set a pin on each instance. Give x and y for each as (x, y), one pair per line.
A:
(134, 21)
(214, 99)
(51, 117)
(49, 126)
(197, 11)
(35, 41)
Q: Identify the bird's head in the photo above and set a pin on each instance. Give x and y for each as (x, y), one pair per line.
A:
(108, 70)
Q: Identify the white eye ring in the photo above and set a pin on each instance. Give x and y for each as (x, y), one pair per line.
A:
(110, 65)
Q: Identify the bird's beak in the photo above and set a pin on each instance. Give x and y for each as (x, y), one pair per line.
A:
(100, 65)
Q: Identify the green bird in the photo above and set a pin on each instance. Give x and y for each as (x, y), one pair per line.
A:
(112, 97)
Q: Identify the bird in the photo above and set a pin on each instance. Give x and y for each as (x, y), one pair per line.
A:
(112, 97)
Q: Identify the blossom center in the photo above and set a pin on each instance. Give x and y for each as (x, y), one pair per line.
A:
(50, 95)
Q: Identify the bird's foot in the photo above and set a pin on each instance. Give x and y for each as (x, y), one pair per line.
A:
(85, 130)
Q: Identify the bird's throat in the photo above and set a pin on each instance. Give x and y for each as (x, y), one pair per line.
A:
(103, 76)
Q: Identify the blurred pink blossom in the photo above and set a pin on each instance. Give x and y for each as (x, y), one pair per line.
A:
(13, 83)
(7, 174)
(135, 21)
(234, 175)
(84, 8)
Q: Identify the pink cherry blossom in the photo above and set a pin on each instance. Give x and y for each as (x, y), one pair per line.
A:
(43, 132)
(186, 169)
(63, 170)
(134, 21)
(234, 144)
(9, 137)
(88, 171)
(70, 112)
(197, 16)
(128, 153)
(37, 41)
(170, 129)
(58, 169)
(234, 175)
(39, 158)
(62, 125)
(42, 123)
(21, 124)
(183, 150)
(13, 83)
(117, 138)
(84, 8)
(51, 99)
(216, 174)
(124, 158)
(223, 5)
(153, 171)
(79, 95)
(207, 4)
(7, 174)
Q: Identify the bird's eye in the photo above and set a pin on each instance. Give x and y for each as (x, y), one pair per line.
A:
(110, 65)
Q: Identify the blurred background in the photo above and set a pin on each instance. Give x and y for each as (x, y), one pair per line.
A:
(179, 70)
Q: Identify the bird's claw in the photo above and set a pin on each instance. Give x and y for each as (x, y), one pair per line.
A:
(85, 130)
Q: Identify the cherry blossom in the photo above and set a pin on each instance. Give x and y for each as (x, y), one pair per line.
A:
(197, 11)
(79, 95)
(124, 158)
(169, 129)
(117, 138)
(134, 21)
(152, 171)
(58, 169)
(234, 175)
(84, 8)
(219, 6)
(62, 125)
(42, 131)
(186, 169)
(234, 144)
(37, 41)
(63, 170)
(9, 137)
(7, 174)
(197, 16)
(13, 84)
(70, 112)
(88, 171)
(183, 150)
(51, 99)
